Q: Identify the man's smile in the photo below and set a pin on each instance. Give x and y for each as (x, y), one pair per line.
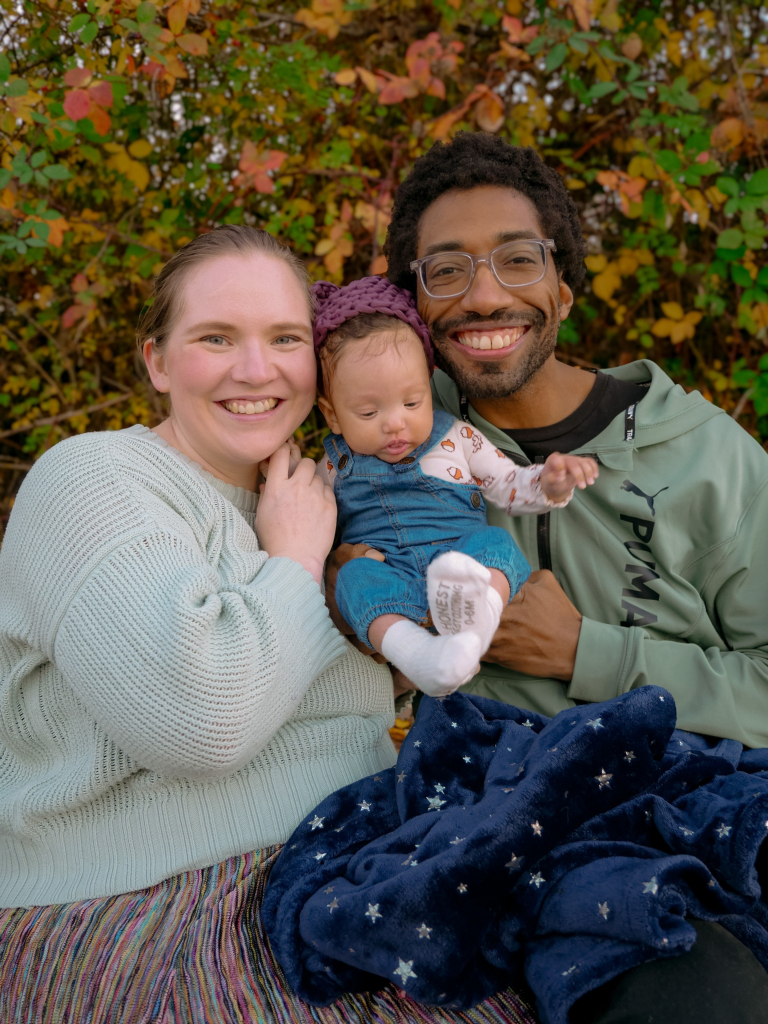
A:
(494, 341)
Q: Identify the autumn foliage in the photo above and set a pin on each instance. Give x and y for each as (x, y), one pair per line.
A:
(126, 128)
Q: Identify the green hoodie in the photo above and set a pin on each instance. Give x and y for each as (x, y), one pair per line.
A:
(672, 582)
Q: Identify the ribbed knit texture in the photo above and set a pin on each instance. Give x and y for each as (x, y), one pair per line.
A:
(169, 696)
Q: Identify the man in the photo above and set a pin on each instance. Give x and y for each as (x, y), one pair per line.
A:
(656, 574)
(659, 572)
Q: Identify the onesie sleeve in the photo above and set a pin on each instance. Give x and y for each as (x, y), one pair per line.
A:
(515, 489)
(324, 469)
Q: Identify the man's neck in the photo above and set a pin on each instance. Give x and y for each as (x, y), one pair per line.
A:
(552, 394)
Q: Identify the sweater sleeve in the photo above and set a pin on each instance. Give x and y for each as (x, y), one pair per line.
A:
(188, 659)
(720, 690)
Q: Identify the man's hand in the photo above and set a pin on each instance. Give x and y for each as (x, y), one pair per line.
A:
(539, 630)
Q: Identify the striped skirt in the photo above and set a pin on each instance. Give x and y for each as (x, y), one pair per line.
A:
(190, 950)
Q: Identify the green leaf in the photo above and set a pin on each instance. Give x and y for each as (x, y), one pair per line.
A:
(762, 277)
(151, 32)
(41, 179)
(758, 183)
(600, 89)
(555, 57)
(669, 161)
(5, 177)
(129, 24)
(18, 88)
(90, 32)
(579, 45)
(146, 12)
(57, 172)
(25, 175)
(25, 228)
(41, 230)
(79, 22)
(634, 72)
(36, 243)
(731, 238)
(740, 275)
(536, 45)
(728, 186)
(38, 158)
(753, 241)
(620, 97)
(5, 68)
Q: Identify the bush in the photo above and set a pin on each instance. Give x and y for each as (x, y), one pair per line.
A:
(127, 128)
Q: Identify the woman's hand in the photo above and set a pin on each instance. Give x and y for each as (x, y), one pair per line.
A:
(296, 517)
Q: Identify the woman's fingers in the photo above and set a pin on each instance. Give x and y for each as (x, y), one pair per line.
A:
(279, 462)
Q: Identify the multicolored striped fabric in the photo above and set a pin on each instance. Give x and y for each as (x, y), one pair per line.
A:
(188, 951)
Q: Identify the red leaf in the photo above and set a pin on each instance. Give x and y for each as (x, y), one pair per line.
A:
(255, 164)
(100, 120)
(263, 184)
(72, 315)
(77, 104)
(77, 77)
(101, 93)
(80, 283)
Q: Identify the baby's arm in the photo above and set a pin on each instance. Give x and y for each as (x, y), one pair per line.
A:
(522, 490)
(324, 469)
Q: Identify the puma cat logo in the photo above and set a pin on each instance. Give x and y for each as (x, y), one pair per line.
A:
(634, 489)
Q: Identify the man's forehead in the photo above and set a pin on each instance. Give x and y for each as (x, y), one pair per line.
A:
(477, 220)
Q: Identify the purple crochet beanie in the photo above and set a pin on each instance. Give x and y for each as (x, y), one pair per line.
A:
(368, 295)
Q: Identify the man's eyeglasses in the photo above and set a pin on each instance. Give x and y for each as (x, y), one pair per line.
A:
(446, 275)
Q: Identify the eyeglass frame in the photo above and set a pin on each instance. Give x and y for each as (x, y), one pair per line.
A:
(547, 244)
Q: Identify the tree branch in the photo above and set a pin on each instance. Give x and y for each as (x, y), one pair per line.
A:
(50, 420)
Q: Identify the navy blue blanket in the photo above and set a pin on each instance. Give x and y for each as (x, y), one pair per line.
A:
(505, 844)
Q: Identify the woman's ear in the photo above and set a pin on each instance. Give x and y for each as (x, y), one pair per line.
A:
(155, 361)
(330, 416)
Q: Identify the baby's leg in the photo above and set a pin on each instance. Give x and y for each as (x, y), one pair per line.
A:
(437, 665)
(469, 586)
(382, 605)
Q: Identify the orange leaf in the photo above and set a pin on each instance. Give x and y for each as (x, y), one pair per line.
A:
(175, 67)
(729, 133)
(177, 17)
(77, 104)
(489, 113)
(369, 80)
(379, 265)
(80, 283)
(398, 89)
(436, 88)
(100, 120)
(347, 76)
(442, 125)
(582, 14)
(514, 51)
(77, 77)
(255, 164)
(517, 34)
(194, 44)
(56, 229)
(632, 46)
(101, 93)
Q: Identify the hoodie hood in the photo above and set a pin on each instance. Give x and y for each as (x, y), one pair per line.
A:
(667, 411)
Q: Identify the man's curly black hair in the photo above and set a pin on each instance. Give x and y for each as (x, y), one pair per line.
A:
(472, 159)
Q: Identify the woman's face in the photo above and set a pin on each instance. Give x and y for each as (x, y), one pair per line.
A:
(239, 364)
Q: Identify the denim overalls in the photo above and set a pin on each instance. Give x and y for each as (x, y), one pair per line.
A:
(411, 518)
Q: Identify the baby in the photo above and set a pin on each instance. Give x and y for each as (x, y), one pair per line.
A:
(412, 482)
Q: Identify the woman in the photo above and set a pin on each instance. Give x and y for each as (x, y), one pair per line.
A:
(173, 696)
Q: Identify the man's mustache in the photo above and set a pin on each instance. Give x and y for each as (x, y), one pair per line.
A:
(508, 317)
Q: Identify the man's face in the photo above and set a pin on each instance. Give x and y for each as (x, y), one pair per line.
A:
(527, 319)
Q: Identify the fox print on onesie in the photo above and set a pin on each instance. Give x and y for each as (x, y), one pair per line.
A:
(412, 484)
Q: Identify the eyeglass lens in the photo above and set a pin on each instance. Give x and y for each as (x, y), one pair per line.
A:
(516, 264)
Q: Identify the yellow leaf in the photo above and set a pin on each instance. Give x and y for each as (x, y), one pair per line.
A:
(609, 16)
(369, 80)
(661, 25)
(715, 196)
(194, 44)
(693, 317)
(673, 48)
(642, 166)
(596, 263)
(699, 204)
(347, 76)
(627, 265)
(680, 331)
(140, 148)
(605, 284)
(673, 310)
(324, 246)
(177, 17)
(705, 18)
(663, 328)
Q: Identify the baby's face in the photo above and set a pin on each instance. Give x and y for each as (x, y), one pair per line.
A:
(380, 399)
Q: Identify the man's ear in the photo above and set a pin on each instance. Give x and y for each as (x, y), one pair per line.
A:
(330, 416)
(155, 361)
(566, 299)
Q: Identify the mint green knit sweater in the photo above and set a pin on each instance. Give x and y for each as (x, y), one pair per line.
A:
(169, 696)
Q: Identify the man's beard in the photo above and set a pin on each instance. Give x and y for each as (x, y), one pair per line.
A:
(490, 379)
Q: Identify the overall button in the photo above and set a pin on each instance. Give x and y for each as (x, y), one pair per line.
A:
(407, 461)
(475, 499)
(343, 461)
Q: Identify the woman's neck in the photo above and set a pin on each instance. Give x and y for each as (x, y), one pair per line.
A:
(238, 475)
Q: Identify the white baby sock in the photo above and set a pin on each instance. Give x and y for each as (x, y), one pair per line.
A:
(438, 665)
(461, 597)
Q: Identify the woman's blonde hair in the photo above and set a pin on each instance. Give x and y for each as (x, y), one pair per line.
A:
(157, 319)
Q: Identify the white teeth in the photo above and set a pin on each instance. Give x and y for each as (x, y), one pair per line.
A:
(250, 408)
(497, 341)
(485, 342)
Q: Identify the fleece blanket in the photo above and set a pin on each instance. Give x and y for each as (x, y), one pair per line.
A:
(506, 845)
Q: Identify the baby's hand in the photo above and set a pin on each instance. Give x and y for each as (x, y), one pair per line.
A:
(562, 473)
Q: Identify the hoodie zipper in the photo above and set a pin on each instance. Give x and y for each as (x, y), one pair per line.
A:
(542, 534)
